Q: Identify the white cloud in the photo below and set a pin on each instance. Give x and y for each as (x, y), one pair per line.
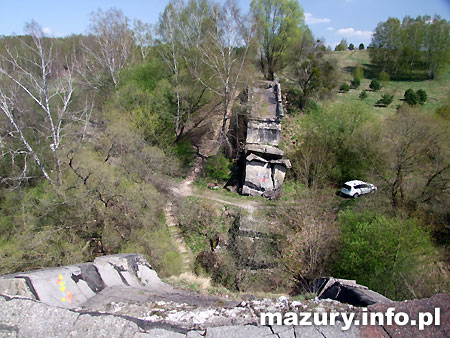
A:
(310, 20)
(330, 28)
(47, 31)
(351, 32)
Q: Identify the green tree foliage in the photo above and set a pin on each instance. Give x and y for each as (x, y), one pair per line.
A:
(411, 97)
(153, 109)
(178, 43)
(344, 87)
(314, 74)
(351, 46)
(400, 48)
(390, 255)
(341, 46)
(386, 100)
(218, 167)
(219, 38)
(327, 150)
(375, 85)
(278, 25)
(421, 96)
(361, 46)
(363, 95)
(411, 158)
(108, 204)
(355, 83)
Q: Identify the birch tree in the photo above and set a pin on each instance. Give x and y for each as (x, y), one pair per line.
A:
(169, 33)
(31, 72)
(222, 49)
(111, 48)
(143, 37)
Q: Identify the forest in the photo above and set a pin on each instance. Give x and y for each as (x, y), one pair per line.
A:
(96, 130)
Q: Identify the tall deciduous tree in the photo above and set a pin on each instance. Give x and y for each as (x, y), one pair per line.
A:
(111, 48)
(30, 73)
(169, 32)
(278, 25)
(437, 45)
(143, 37)
(221, 40)
(399, 48)
(311, 69)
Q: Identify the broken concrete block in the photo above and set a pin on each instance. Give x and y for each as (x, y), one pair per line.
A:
(259, 175)
(279, 172)
(266, 150)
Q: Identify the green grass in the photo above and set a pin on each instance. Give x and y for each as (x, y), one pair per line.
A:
(437, 89)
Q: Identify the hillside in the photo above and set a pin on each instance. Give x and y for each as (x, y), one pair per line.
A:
(148, 140)
(438, 90)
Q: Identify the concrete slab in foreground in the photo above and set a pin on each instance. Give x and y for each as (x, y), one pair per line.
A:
(127, 299)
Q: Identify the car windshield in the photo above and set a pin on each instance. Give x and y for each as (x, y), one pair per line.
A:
(347, 187)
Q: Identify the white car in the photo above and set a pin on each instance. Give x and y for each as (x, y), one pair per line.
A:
(357, 188)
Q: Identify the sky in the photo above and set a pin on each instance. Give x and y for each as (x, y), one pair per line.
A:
(331, 20)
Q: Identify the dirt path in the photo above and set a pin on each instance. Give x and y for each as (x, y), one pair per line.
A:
(185, 189)
(177, 236)
(207, 146)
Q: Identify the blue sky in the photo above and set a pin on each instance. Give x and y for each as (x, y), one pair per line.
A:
(329, 19)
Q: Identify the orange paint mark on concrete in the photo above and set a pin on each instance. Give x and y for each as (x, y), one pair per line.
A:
(60, 278)
(69, 296)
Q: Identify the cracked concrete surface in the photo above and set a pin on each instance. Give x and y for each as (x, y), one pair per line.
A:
(22, 317)
(138, 304)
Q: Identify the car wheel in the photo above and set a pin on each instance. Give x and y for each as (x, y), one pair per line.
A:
(356, 195)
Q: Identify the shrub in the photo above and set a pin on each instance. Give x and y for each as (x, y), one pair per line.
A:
(411, 97)
(356, 82)
(218, 167)
(421, 96)
(351, 46)
(361, 46)
(383, 77)
(185, 152)
(344, 87)
(385, 100)
(375, 85)
(363, 95)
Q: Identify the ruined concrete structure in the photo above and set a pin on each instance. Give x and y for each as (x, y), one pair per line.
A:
(265, 166)
(121, 296)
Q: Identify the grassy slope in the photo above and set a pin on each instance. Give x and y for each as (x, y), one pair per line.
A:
(437, 90)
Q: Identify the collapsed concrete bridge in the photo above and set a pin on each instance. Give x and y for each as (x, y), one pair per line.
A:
(265, 166)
